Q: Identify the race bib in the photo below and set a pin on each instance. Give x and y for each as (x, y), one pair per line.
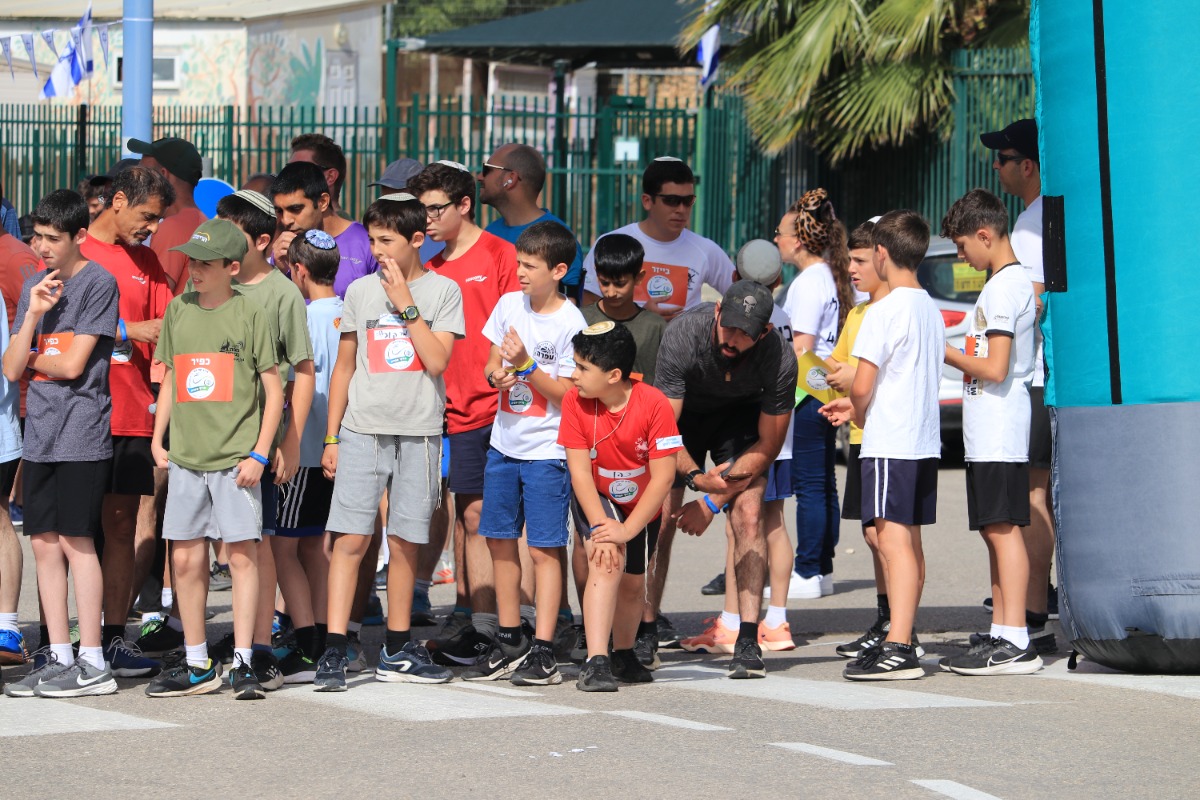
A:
(122, 352)
(52, 344)
(204, 377)
(972, 346)
(523, 399)
(390, 350)
(664, 283)
(622, 486)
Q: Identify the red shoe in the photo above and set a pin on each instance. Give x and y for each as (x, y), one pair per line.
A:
(775, 638)
(715, 639)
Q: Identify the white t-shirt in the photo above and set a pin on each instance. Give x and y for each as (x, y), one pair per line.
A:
(1027, 244)
(905, 337)
(527, 425)
(996, 415)
(10, 399)
(783, 326)
(812, 305)
(675, 271)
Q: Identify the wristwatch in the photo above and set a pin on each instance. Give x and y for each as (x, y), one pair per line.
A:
(491, 380)
(410, 313)
(690, 479)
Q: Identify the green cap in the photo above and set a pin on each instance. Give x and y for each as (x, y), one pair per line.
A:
(216, 238)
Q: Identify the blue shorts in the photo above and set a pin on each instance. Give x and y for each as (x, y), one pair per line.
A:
(779, 481)
(445, 456)
(535, 495)
(468, 460)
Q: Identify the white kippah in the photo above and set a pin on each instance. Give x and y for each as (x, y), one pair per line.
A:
(399, 197)
(597, 328)
(455, 165)
(668, 158)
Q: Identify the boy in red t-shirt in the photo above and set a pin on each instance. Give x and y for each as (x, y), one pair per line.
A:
(621, 438)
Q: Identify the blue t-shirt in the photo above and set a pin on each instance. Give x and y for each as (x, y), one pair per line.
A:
(430, 248)
(510, 233)
(10, 398)
(11, 222)
(324, 317)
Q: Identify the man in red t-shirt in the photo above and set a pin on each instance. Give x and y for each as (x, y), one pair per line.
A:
(484, 267)
(621, 438)
(178, 161)
(114, 241)
(17, 262)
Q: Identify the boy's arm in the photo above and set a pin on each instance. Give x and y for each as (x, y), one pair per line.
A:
(250, 470)
(19, 355)
(287, 458)
(432, 348)
(662, 475)
(583, 486)
(69, 365)
(501, 378)
(863, 390)
(162, 418)
(993, 367)
(339, 394)
(550, 387)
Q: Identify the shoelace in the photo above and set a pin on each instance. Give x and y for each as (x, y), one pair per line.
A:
(129, 647)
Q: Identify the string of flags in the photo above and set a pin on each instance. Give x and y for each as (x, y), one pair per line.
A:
(72, 64)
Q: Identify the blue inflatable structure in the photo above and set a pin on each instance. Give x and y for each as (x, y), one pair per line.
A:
(1118, 113)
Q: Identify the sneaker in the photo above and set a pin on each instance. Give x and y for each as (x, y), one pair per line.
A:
(826, 584)
(540, 668)
(1043, 642)
(297, 668)
(715, 639)
(81, 679)
(997, 657)
(422, 610)
(978, 641)
(245, 683)
(454, 624)
(668, 637)
(219, 578)
(1052, 601)
(500, 662)
(596, 676)
(12, 649)
(646, 649)
(715, 586)
(222, 651)
(891, 661)
(158, 638)
(266, 669)
(747, 661)
(579, 648)
(381, 579)
(444, 572)
(45, 667)
(331, 672)
(872, 638)
(127, 661)
(411, 665)
(775, 638)
(627, 667)
(466, 649)
(987, 604)
(180, 679)
(804, 588)
(355, 655)
(374, 615)
(564, 637)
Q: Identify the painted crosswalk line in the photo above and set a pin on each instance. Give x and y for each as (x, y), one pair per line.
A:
(834, 755)
(437, 703)
(671, 722)
(39, 717)
(1090, 672)
(955, 790)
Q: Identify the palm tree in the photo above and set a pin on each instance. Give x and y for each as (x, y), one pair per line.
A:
(851, 74)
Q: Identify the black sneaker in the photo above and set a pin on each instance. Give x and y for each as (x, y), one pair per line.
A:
(978, 642)
(579, 649)
(331, 672)
(1052, 601)
(891, 661)
(1043, 642)
(627, 667)
(997, 657)
(668, 637)
(297, 668)
(222, 651)
(874, 635)
(540, 669)
(564, 637)
(245, 683)
(747, 660)
(596, 676)
(646, 648)
(158, 638)
(266, 669)
(465, 649)
(179, 679)
(715, 586)
(501, 662)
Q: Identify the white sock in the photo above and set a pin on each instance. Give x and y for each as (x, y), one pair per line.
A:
(151, 615)
(197, 654)
(1018, 636)
(168, 597)
(93, 655)
(63, 653)
(175, 624)
(776, 616)
(8, 622)
(997, 631)
(732, 622)
(243, 653)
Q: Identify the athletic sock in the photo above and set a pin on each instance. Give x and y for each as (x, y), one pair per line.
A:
(776, 616)
(197, 654)
(394, 641)
(63, 653)
(485, 623)
(322, 633)
(422, 586)
(93, 656)
(648, 628)
(110, 632)
(43, 636)
(732, 621)
(543, 644)
(567, 614)
(748, 630)
(306, 640)
(243, 654)
(1035, 622)
(175, 624)
(997, 631)
(8, 622)
(1018, 636)
(168, 597)
(509, 637)
(885, 610)
(260, 648)
(337, 642)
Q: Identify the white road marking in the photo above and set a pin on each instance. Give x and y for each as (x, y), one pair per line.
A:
(417, 703)
(662, 719)
(492, 688)
(39, 717)
(1098, 675)
(955, 790)
(836, 755)
(834, 694)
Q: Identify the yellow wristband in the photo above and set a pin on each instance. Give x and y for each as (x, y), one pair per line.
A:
(332, 440)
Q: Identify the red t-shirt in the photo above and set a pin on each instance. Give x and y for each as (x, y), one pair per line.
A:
(625, 441)
(172, 232)
(144, 295)
(483, 273)
(17, 262)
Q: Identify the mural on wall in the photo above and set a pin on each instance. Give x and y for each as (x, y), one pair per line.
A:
(284, 70)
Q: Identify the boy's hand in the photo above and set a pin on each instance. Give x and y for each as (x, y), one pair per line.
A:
(607, 557)
(45, 293)
(394, 284)
(287, 461)
(160, 455)
(504, 379)
(609, 530)
(694, 518)
(513, 349)
(249, 473)
(279, 250)
(329, 461)
(666, 311)
(838, 412)
(842, 378)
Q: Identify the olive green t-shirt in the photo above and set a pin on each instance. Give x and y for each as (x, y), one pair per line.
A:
(647, 329)
(216, 357)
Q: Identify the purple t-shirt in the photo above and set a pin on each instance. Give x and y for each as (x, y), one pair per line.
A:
(357, 260)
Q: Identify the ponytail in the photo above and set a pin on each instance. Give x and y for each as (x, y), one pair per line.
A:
(838, 258)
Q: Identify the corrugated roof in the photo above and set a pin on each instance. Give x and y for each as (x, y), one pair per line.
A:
(107, 10)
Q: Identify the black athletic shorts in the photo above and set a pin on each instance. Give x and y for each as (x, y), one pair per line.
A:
(304, 504)
(638, 550)
(132, 466)
(66, 497)
(8, 476)
(1041, 443)
(900, 490)
(852, 500)
(997, 493)
(724, 434)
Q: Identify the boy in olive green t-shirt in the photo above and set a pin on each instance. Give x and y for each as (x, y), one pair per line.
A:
(219, 350)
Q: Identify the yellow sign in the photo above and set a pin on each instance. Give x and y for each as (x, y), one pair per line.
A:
(967, 278)
(811, 379)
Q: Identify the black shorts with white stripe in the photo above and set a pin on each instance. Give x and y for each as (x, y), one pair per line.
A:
(638, 550)
(304, 504)
(900, 490)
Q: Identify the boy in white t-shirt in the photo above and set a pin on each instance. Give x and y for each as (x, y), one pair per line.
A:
(997, 363)
(526, 482)
(895, 400)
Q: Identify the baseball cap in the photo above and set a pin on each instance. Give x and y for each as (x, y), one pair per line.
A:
(214, 239)
(397, 174)
(747, 306)
(178, 156)
(1021, 136)
(113, 171)
(759, 261)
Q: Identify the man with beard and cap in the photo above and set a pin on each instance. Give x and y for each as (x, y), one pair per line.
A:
(178, 161)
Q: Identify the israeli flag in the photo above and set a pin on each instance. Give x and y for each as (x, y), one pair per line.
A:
(706, 54)
(74, 63)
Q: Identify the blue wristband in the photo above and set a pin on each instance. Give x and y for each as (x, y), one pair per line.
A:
(121, 328)
(527, 372)
(260, 459)
(713, 507)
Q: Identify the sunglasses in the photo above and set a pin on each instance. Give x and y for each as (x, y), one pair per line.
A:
(1002, 159)
(677, 200)
(487, 169)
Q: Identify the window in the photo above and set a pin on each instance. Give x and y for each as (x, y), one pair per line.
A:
(165, 71)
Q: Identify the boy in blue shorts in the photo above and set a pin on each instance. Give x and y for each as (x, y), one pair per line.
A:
(387, 399)
(526, 482)
(220, 353)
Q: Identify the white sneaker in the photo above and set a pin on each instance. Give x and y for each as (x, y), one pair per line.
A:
(827, 585)
(804, 588)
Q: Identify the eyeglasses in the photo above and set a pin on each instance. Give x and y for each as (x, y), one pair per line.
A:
(435, 212)
(677, 200)
(778, 233)
(1002, 159)
(487, 169)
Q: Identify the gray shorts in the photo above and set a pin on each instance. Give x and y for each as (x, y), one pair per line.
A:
(408, 467)
(210, 504)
